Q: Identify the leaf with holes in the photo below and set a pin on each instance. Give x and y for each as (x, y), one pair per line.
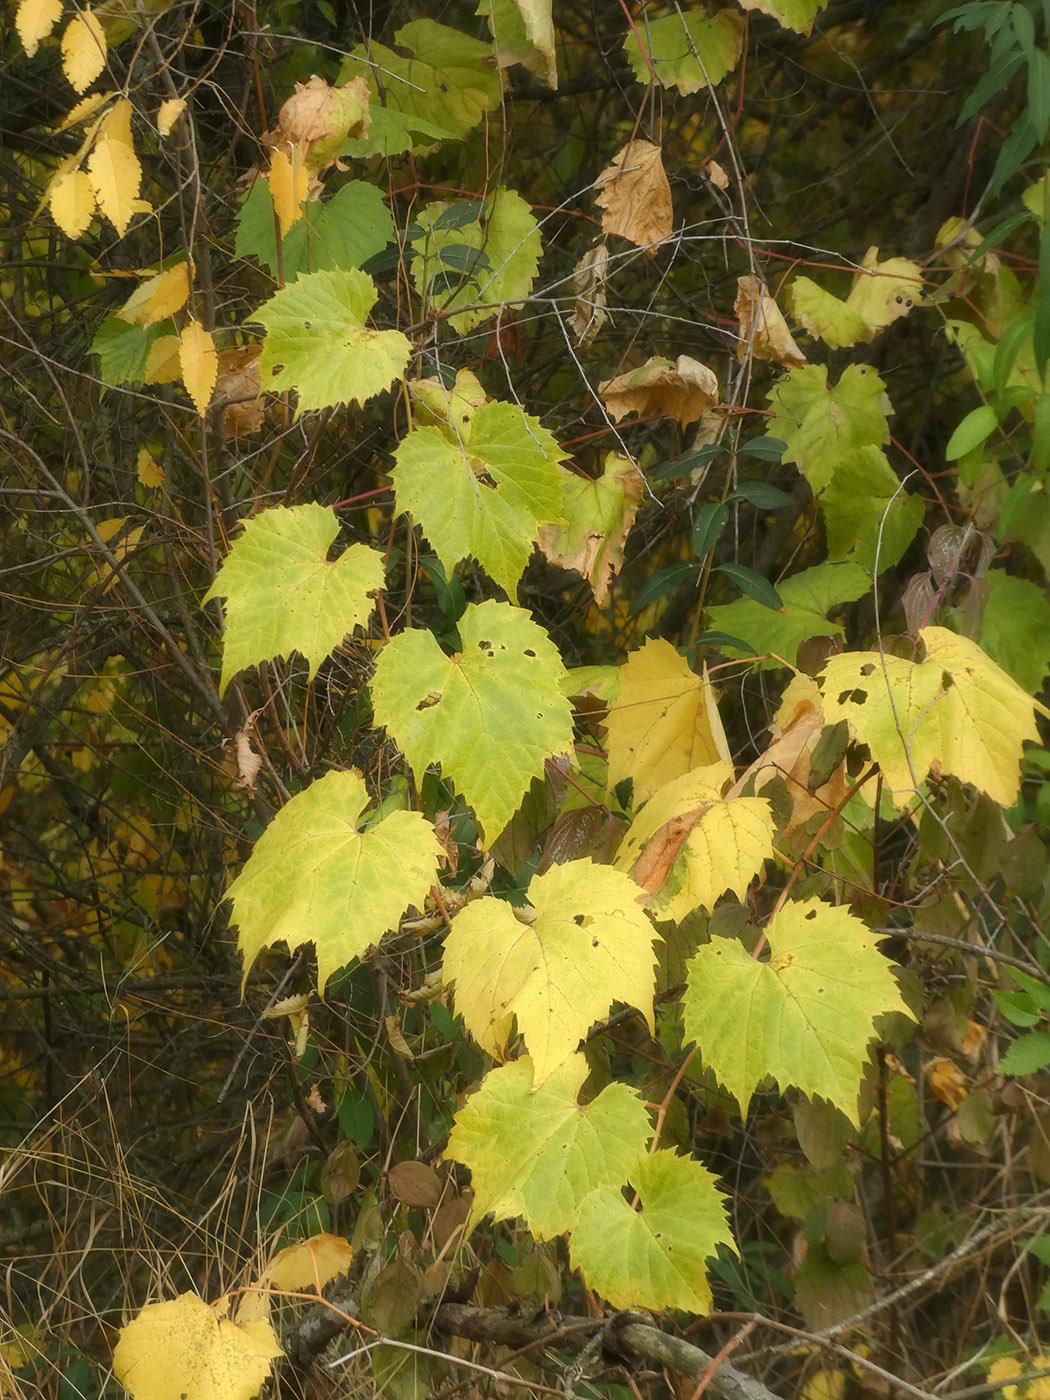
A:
(686, 51)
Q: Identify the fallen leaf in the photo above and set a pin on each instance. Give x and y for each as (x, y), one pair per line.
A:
(636, 197)
(763, 330)
(660, 389)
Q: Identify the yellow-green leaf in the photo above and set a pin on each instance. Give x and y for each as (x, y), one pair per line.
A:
(686, 51)
(282, 594)
(71, 201)
(34, 20)
(490, 715)
(792, 14)
(321, 874)
(556, 967)
(158, 298)
(168, 114)
(83, 49)
(523, 32)
(163, 365)
(570, 1148)
(656, 1256)
(114, 167)
(954, 712)
(199, 362)
(186, 1350)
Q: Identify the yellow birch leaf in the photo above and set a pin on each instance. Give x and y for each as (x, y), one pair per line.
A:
(168, 114)
(665, 721)
(71, 201)
(158, 298)
(34, 20)
(149, 472)
(83, 110)
(163, 364)
(83, 50)
(200, 365)
(289, 183)
(114, 168)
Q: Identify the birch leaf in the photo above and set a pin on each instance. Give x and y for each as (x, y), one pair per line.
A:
(199, 363)
(83, 50)
(71, 201)
(34, 20)
(158, 297)
(114, 168)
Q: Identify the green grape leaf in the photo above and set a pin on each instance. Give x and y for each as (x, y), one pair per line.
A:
(654, 1257)
(805, 1015)
(956, 712)
(343, 232)
(686, 51)
(503, 238)
(537, 1152)
(834, 322)
(523, 32)
(283, 595)
(792, 14)
(806, 598)
(315, 876)
(881, 293)
(820, 424)
(688, 846)
(557, 967)
(1015, 628)
(446, 84)
(600, 513)
(318, 343)
(484, 494)
(867, 516)
(123, 349)
(490, 715)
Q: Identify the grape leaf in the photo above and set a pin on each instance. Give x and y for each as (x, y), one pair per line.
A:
(686, 51)
(571, 1148)
(956, 712)
(867, 516)
(806, 597)
(881, 293)
(341, 233)
(443, 481)
(688, 846)
(490, 715)
(819, 424)
(600, 514)
(1015, 628)
(665, 720)
(805, 1016)
(319, 345)
(442, 88)
(282, 594)
(654, 1257)
(123, 350)
(185, 1350)
(523, 32)
(585, 944)
(504, 242)
(315, 876)
(824, 315)
(792, 14)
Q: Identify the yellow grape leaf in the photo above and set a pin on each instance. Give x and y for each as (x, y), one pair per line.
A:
(199, 362)
(71, 201)
(163, 365)
(763, 330)
(186, 1350)
(557, 966)
(635, 196)
(660, 389)
(665, 721)
(34, 20)
(158, 298)
(83, 50)
(148, 471)
(168, 114)
(309, 1264)
(688, 845)
(882, 292)
(599, 515)
(289, 182)
(114, 167)
(955, 712)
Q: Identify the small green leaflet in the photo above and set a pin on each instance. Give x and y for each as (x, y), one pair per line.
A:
(819, 425)
(656, 1257)
(282, 594)
(504, 237)
(343, 232)
(537, 1152)
(319, 345)
(315, 877)
(484, 494)
(672, 43)
(490, 715)
(556, 968)
(805, 1016)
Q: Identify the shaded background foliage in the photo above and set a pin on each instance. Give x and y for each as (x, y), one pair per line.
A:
(151, 1120)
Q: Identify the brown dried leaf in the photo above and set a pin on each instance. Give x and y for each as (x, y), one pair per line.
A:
(318, 118)
(715, 174)
(653, 867)
(946, 1082)
(238, 382)
(598, 515)
(589, 285)
(248, 761)
(660, 389)
(414, 1184)
(763, 330)
(636, 197)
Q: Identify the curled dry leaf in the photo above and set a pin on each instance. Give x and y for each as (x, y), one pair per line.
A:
(714, 172)
(318, 118)
(660, 389)
(636, 197)
(238, 383)
(248, 761)
(589, 285)
(598, 518)
(763, 330)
